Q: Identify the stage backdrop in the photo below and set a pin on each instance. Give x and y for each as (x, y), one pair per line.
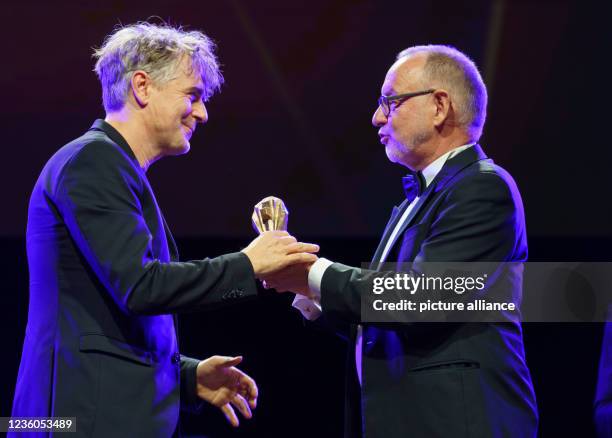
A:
(294, 117)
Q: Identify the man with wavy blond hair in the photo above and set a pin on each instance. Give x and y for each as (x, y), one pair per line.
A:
(105, 280)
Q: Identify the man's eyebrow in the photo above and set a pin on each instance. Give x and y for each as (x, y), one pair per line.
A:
(198, 91)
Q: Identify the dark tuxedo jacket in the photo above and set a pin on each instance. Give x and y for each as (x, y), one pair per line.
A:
(441, 379)
(105, 279)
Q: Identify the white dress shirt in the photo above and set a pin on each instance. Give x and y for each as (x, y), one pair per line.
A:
(311, 309)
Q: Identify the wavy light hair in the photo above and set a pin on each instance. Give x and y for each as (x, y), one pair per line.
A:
(448, 68)
(157, 50)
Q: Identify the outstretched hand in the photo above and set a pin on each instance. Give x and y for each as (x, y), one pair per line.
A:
(273, 251)
(293, 278)
(222, 385)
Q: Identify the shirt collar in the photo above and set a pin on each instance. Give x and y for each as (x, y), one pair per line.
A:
(430, 172)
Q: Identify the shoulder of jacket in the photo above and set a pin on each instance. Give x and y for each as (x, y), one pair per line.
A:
(484, 171)
(482, 179)
(95, 156)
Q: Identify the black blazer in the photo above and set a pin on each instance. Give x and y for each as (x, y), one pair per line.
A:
(441, 379)
(105, 279)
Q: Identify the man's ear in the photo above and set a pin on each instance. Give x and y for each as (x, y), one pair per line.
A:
(443, 107)
(141, 85)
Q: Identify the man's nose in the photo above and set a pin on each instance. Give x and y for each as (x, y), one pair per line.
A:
(378, 119)
(199, 112)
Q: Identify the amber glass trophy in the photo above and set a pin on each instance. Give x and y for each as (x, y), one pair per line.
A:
(270, 214)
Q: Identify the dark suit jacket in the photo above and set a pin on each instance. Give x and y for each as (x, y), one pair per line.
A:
(442, 379)
(105, 279)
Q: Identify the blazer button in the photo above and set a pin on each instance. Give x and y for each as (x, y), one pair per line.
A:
(176, 358)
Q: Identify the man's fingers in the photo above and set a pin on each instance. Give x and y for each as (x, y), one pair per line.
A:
(241, 404)
(249, 390)
(229, 413)
(301, 257)
(302, 247)
(288, 240)
(232, 361)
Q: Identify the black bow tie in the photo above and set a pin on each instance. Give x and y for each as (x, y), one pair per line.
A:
(414, 185)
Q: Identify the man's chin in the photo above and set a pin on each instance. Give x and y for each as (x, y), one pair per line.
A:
(400, 159)
(179, 150)
(185, 146)
(392, 154)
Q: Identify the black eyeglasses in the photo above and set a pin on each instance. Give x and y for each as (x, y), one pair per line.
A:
(385, 101)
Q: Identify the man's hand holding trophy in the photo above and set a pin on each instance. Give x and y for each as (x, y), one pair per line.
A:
(278, 259)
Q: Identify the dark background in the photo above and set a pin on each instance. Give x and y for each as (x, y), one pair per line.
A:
(293, 120)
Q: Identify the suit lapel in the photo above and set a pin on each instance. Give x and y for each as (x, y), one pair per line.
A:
(455, 165)
(396, 214)
(114, 135)
(173, 249)
(422, 200)
(451, 168)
